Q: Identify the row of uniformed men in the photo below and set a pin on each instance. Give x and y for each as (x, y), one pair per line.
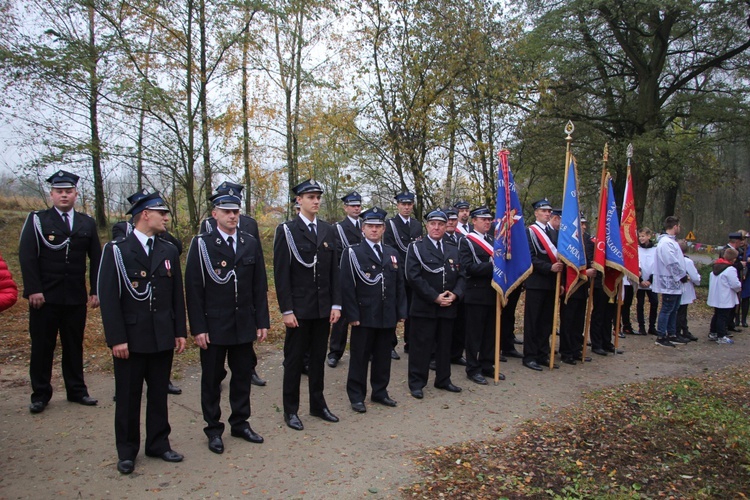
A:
(139, 285)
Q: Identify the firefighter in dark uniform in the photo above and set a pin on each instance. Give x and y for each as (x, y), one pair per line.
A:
(53, 249)
(400, 230)
(306, 272)
(226, 292)
(374, 300)
(246, 224)
(475, 252)
(348, 233)
(540, 288)
(123, 228)
(433, 271)
(143, 314)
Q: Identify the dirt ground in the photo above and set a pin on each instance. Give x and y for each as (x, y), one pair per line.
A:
(68, 450)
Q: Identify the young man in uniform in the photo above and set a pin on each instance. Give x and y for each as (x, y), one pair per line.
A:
(348, 233)
(53, 249)
(306, 272)
(143, 314)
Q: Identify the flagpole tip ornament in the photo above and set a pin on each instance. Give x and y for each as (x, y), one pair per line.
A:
(569, 128)
(630, 150)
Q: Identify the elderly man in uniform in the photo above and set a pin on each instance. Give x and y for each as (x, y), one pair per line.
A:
(306, 271)
(53, 249)
(540, 288)
(348, 233)
(246, 224)
(123, 228)
(475, 253)
(400, 230)
(432, 270)
(374, 301)
(143, 313)
(226, 292)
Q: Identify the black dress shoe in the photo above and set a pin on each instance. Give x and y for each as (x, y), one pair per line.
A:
(417, 393)
(168, 456)
(125, 466)
(569, 361)
(332, 362)
(744, 325)
(733, 329)
(359, 407)
(503, 359)
(459, 361)
(386, 401)
(85, 401)
(173, 389)
(599, 351)
(293, 421)
(325, 414)
(449, 387)
(216, 445)
(433, 365)
(533, 365)
(513, 354)
(37, 406)
(394, 354)
(477, 378)
(614, 351)
(248, 435)
(256, 380)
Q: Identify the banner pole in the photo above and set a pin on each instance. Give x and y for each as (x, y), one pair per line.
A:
(498, 333)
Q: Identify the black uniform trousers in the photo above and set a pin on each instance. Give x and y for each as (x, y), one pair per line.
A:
(239, 358)
(537, 324)
(480, 338)
(508, 322)
(429, 333)
(627, 302)
(602, 317)
(130, 374)
(369, 343)
(572, 323)
(458, 338)
(337, 344)
(44, 323)
(310, 336)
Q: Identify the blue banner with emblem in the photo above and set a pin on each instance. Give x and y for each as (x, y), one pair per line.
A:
(511, 256)
(570, 248)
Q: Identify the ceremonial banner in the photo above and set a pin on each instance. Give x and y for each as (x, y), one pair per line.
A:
(570, 248)
(629, 234)
(511, 256)
(608, 257)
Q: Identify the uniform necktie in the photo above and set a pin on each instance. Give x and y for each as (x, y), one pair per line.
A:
(407, 223)
(230, 242)
(66, 220)
(312, 228)
(358, 228)
(439, 247)
(378, 251)
(149, 246)
(488, 239)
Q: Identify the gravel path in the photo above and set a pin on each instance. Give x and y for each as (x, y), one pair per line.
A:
(68, 451)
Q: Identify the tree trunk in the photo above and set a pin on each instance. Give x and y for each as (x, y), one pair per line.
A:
(96, 152)
(202, 98)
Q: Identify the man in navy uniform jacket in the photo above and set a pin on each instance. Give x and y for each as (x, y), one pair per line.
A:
(225, 286)
(53, 249)
(143, 313)
(374, 301)
(306, 272)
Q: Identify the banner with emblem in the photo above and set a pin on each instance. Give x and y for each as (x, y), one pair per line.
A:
(511, 256)
(629, 233)
(570, 248)
(608, 257)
